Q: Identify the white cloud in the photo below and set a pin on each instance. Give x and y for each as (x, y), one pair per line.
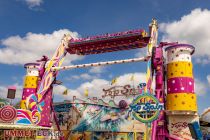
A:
(193, 29)
(59, 89)
(21, 50)
(97, 70)
(94, 89)
(33, 3)
(96, 86)
(208, 79)
(126, 79)
(58, 93)
(3, 92)
(200, 87)
(84, 76)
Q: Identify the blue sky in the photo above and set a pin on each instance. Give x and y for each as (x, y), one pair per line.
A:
(184, 21)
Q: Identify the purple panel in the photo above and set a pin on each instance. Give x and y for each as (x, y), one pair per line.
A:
(27, 92)
(180, 85)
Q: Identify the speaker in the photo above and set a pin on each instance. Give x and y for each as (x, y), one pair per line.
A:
(11, 93)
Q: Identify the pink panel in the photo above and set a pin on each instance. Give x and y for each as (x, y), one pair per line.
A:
(46, 112)
(27, 92)
(180, 85)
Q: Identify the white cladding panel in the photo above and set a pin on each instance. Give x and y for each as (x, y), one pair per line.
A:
(179, 54)
(32, 71)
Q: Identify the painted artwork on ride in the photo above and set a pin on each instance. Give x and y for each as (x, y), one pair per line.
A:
(114, 136)
(62, 113)
(146, 108)
(106, 136)
(178, 126)
(106, 117)
(94, 119)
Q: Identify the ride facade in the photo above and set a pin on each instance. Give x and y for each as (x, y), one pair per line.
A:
(165, 110)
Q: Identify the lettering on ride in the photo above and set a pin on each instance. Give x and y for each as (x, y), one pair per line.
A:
(126, 90)
(181, 130)
(179, 125)
(19, 133)
(147, 107)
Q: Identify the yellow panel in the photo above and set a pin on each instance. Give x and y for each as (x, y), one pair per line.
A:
(30, 82)
(23, 104)
(181, 101)
(179, 69)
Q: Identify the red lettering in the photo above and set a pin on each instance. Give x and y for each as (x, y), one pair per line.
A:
(6, 133)
(13, 133)
(19, 133)
(179, 125)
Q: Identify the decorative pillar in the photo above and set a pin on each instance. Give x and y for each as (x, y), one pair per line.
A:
(181, 102)
(180, 81)
(30, 82)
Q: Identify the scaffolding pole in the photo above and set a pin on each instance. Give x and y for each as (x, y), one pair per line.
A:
(101, 63)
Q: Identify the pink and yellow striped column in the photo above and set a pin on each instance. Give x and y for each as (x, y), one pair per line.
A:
(180, 81)
(30, 82)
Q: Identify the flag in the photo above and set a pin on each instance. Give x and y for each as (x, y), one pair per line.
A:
(132, 77)
(65, 92)
(148, 76)
(114, 81)
(86, 92)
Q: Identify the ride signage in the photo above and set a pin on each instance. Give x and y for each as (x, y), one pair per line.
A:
(146, 108)
(126, 90)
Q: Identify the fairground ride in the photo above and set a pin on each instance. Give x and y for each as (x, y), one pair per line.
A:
(173, 73)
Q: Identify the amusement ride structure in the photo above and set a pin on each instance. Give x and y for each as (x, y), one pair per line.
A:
(174, 83)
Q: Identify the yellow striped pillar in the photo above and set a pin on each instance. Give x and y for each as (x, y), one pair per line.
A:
(30, 82)
(181, 105)
(180, 81)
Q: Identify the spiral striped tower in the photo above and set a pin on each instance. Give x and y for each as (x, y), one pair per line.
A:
(30, 82)
(181, 102)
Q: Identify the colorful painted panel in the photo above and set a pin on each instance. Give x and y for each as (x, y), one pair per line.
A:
(181, 101)
(7, 114)
(180, 85)
(179, 69)
(106, 136)
(105, 118)
(30, 82)
(64, 107)
(45, 109)
(178, 126)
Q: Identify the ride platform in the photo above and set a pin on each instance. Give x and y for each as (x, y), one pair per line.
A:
(132, 39)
